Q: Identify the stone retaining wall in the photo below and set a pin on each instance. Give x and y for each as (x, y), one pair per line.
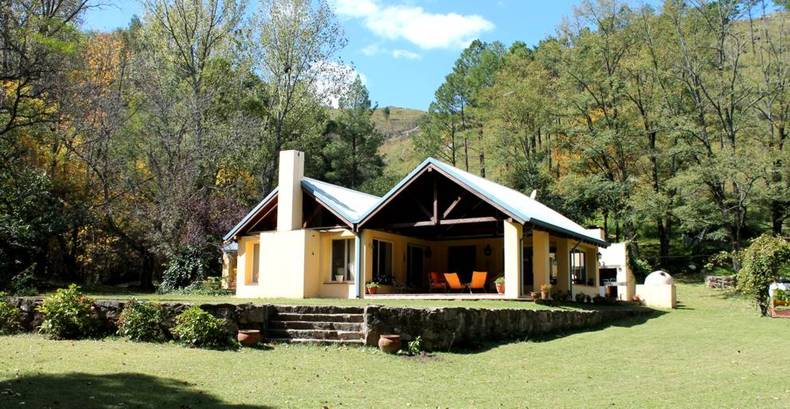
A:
(720, 281)
(442, 329)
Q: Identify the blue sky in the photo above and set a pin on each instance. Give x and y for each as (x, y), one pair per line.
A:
(404, 48)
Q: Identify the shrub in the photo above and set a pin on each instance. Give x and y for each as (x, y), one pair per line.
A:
(197, 328)
(415, 346)
(9, 317)
(183, 269)
(211, 286)
(761, 263)
(24, 284)
(141, 321)
(68, 314)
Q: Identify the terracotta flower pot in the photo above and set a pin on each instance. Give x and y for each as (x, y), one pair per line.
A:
(500, 288)
(544, 295)
(249, 337)
(389, 343)
(373, 290)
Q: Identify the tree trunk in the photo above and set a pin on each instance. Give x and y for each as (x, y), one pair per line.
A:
(482, 152)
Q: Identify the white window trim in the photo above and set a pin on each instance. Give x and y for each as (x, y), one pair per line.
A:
(348, 262)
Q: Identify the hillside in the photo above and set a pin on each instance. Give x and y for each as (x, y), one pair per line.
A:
(398, 128)
(401, 122)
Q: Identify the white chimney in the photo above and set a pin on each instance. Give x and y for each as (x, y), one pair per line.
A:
(289, 196)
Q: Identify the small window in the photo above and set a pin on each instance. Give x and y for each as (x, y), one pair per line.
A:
(382, 262)
(256, 260)
(343, 260)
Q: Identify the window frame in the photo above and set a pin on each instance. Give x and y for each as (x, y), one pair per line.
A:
(255, 264)
(349, 260)
(376, 275)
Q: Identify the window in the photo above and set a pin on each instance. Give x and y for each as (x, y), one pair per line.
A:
(579, 268)
(342, 260)
(382, 262)
(256, 261)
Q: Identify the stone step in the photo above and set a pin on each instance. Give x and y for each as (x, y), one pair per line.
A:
(349, 342)
(336, 317)
(313, 334)
(318, 309)
(320, 325)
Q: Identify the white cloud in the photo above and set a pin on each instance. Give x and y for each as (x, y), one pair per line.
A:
(409, 55)
(371, 49)
(414, 24)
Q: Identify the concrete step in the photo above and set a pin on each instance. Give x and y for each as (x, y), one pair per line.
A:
(313, 334)
(349, 342)
(319, 325)
(336, 317)
(318, 309)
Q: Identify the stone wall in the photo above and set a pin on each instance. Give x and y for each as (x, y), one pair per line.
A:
(246, 316)
(720, 281)
(443, 329)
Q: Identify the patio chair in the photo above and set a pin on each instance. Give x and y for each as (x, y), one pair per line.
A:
(454, 283)
(478, 281)
(437, 282)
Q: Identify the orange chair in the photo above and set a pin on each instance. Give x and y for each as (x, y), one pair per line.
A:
(437, 282)
(478, 281)
(454, 282)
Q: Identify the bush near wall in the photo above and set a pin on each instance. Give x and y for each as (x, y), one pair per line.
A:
(197, 328)
(9, 317)
(68, 314)
(142, 321)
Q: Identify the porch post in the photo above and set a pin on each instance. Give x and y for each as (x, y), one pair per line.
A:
(358, 276)
(541, 268)
(563, 265)
(512, 242)
(591, 255)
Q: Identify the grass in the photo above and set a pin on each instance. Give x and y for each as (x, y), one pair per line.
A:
(712, 352)
(207, 299)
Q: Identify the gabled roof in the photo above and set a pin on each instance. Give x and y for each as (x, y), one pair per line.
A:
(249, 216)
(355, 207)
(349, 204)
(515, 204)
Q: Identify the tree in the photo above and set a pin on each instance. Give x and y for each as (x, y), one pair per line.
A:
(296, 47)
(351, 152)
(762, 262)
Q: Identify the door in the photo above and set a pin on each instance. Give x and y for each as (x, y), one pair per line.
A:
(415, 267)
(462, 260)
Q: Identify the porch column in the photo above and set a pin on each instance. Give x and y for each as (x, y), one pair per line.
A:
(563, 265)
(591, 256)
(358, 277)
(541, 267)
(513, 245)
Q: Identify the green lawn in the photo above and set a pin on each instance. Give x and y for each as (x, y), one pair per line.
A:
(204, 299)
(714, 352)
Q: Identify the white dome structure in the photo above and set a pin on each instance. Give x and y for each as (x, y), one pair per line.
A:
(659, 277)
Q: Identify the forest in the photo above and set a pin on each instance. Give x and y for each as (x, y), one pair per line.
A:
(129, 154)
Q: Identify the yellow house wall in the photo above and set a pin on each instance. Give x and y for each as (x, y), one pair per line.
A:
(289, 263)
(513, 248)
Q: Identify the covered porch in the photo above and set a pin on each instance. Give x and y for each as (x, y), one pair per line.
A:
(444, 221)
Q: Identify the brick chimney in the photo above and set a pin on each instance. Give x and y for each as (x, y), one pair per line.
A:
(289, 196)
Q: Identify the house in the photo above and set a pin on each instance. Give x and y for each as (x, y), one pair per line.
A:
(308, 238)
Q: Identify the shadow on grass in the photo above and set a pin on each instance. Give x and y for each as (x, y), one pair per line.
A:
(627, 322)
(121, 390)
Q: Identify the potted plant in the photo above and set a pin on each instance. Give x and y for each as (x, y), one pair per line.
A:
(249, 337)
(499, 283)
(339, 277)
(781, 297)
(545, 290)
(534, 295)
(372, 287)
